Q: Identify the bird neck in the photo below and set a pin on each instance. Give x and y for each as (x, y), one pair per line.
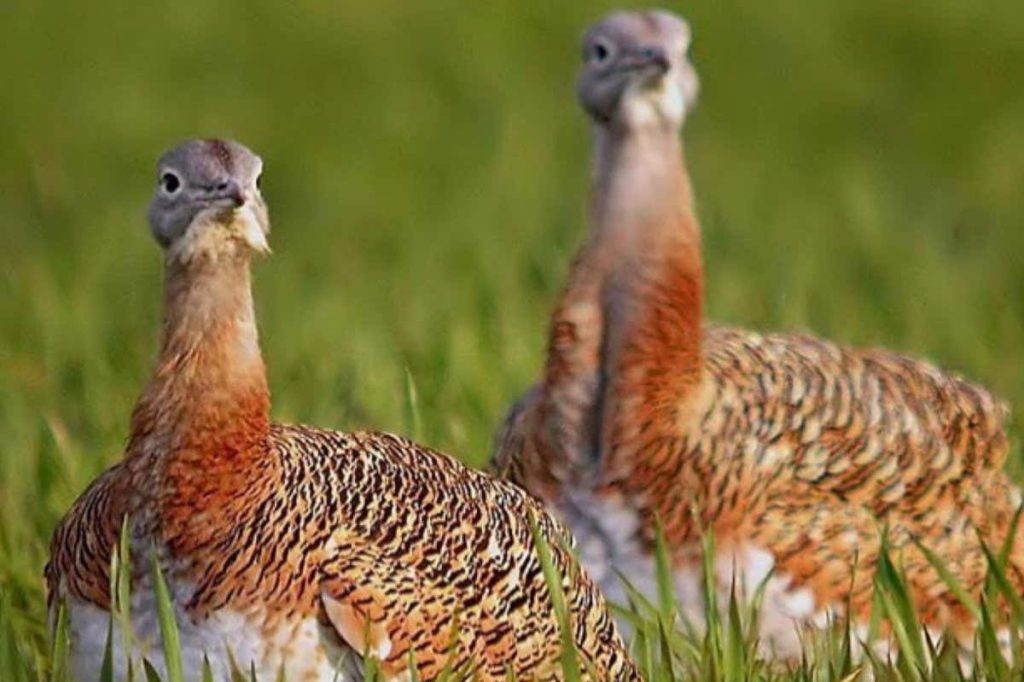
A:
(625, 336)
(206, 407)
(644, 231)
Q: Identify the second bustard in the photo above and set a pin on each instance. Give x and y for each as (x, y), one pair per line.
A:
(788, 448)
(292, 549)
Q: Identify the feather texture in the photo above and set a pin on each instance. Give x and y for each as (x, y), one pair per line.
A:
(792, 450)
(405, 552)
(290, 548)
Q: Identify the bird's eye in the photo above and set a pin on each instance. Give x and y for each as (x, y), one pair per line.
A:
(600, 52)
(259, 181)
(170, 182)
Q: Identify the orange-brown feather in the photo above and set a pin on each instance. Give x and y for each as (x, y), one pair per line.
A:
(787, 442)
(407, 554)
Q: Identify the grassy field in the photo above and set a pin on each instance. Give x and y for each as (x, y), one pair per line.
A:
(859, 166)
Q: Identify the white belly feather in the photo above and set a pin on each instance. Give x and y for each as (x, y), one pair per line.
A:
(304, 649)
(606, 530)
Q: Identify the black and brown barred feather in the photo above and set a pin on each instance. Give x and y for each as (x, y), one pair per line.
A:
(787, 443)
(301, 544)
(435, 561)
(806, 448)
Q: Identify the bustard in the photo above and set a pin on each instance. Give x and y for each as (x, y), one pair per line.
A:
(788, 448)
(290, 548)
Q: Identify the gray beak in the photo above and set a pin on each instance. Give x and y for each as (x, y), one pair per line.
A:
(646, 57)
(231, 191)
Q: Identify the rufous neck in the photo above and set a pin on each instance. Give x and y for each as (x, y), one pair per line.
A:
(208, 395)
(643, 227)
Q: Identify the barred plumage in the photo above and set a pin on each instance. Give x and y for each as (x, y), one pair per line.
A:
(789, 448)
(291, 548)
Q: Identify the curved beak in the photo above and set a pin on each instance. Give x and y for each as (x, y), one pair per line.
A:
(227, 194)
(646, 57)
(234, 193)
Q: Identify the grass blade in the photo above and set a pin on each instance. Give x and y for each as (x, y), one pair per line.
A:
(950, 580)
(59, 651)
(151, 674)
(664, 640)
(107, 666)
(663, 574)
(414, 673)
(1002, 583)
(569, 659)
(991, 656)
(734, 659)
(168, 625)
(413, 425)
(902, 615)
(207, 670)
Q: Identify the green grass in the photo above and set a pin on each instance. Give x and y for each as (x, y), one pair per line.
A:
(859, 166)
(666, 645)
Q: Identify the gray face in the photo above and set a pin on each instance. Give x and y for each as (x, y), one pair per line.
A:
(636, 70)
(211, 180)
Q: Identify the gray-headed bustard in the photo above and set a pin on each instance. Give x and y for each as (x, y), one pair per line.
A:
(289, 548)
(789, 448)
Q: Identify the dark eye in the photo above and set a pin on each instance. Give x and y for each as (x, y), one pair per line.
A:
(259, 181)
(170, 182)
(600, 51)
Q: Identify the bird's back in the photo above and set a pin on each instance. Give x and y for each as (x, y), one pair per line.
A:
(803, 447)
(790, 450)
(803, 384)
(873, 426)
(440, 553)
(399, 551)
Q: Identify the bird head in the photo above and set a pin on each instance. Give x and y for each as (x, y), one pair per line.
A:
(636, 72)
(207, 201)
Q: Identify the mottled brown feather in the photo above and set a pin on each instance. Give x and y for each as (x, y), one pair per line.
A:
(785, 442)
(409, 555)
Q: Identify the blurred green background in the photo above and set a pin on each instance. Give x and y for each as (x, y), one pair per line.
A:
(859, 166)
